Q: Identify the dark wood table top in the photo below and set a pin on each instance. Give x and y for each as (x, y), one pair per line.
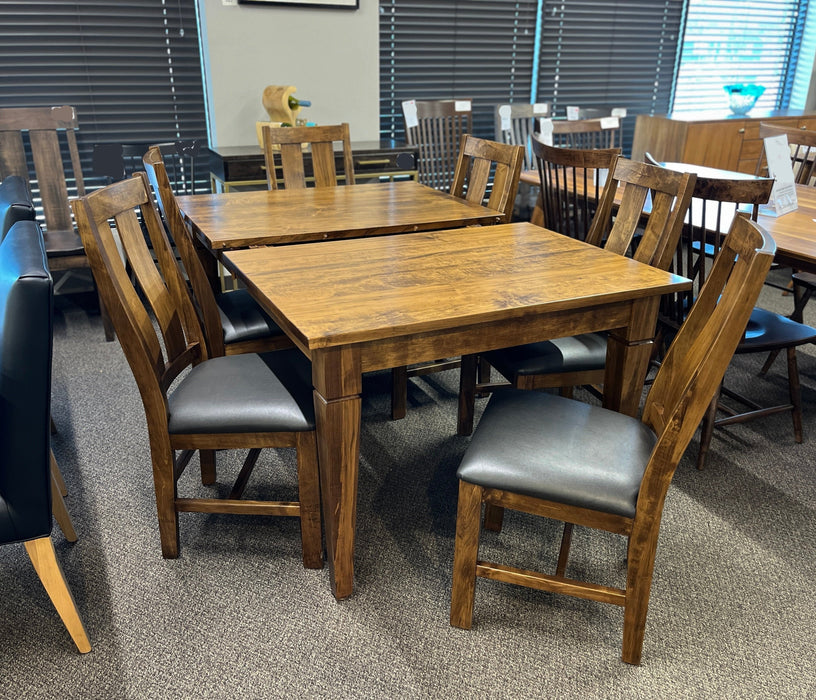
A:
(231, 220)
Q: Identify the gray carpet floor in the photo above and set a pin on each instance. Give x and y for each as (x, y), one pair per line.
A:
(732, 615)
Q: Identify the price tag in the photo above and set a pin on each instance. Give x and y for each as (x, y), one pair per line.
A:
(541, 108)
(783, 195)
(410, 111)
(504, 115)
(619, 112)
(545, 129)
(462, 105)
(573, 113)
(610, 123)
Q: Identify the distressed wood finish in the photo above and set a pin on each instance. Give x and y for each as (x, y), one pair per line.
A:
(243, 219)
(375, 303)
(682, 389)
(283, 149)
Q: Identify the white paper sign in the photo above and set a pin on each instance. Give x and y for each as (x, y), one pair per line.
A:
(783, 195)
(410, 111)
(541, 108)
(610, 123)
(504, 114)
(461, 105)
(545, 129)
(573, 113)
(619, 112)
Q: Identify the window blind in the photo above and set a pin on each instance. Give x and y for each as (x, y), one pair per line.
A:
(442, 49)
(131, 69)
(739, 41)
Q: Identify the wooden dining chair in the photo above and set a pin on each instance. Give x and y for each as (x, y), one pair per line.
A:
(436, 127)
(570, 184)
(602, 132)
(232, 322)
(193, 401)
(283, 155)
(716, 198)
(802, 143)
(487, 173)
(30, 482)
(581, 360)
(584, 465)
(40, 132)
(515, 123)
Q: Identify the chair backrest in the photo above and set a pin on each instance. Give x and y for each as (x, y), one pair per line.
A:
(15, 203)
(571, 182)
(802, 144)
(660, 196)
(478, 160)
(26, 293)
(164, 293)
(283, 153)
(44, 126)
(716, 199)
(436, 127)
(603, 132)
(516, 123)
(182, 237)
(696, 362)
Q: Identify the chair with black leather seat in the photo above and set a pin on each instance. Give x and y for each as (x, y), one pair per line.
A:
(249, 401)
(581, 360)
(715, 200)
(45, 127)
(233, 323)
(584, 465)
(26, 477)
(15, 203)
(436, 127)
(487, 173)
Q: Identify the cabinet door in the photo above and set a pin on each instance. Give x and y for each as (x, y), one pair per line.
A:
(715, 144)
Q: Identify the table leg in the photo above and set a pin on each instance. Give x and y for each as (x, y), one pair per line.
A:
(627, 357)
(337, 380)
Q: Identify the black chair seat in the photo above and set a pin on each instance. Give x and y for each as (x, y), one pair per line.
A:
(767, 330)
(266, 393)
(15, 203)
(557, 449)
(574, 354)
(242, 319)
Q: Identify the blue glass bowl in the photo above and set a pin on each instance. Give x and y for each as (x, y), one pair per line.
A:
(742, 97)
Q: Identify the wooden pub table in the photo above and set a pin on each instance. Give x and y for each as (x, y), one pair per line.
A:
(367, 304)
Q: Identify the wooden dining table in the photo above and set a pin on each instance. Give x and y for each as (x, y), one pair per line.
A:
(356, 306)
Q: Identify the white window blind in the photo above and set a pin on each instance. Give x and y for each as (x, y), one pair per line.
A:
(738, 41)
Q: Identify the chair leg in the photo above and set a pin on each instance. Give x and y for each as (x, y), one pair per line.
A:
(638, 588)
(768, 362)
(707, 429)
(309, 497)
(795, 391)
(164, 486)
(57, 474)
(467, 395)
(399, 392)
(107, 324)
(563, 552)
(208, 469)
(44, 558)
(466, 550)
(493, 517)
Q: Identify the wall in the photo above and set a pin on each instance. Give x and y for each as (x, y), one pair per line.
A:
(331, 55)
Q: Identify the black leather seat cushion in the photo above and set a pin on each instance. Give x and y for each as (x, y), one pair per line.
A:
(573, 354)
(767, 330)
(15, 203)
(242, 318)
(549, 447)
(269, 392)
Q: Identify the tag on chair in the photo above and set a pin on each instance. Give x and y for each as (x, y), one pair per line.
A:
(546, 131)
(541, 108)
(409, 109)
(619, 112)
(610, 123)
(504, 113)
(783, 195)
(573, 113)
(462, 105)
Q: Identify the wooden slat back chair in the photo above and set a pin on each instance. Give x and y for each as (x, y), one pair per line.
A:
(283, 153)
(581, 464)
(581, 360)
(482, 166)
(45, 127)
(440, 125)
(30, 482)
(714, 203)
(802, 144)
(236, 402)
(516, 123)
(604, 132)
(233, 323)
(571, 183)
